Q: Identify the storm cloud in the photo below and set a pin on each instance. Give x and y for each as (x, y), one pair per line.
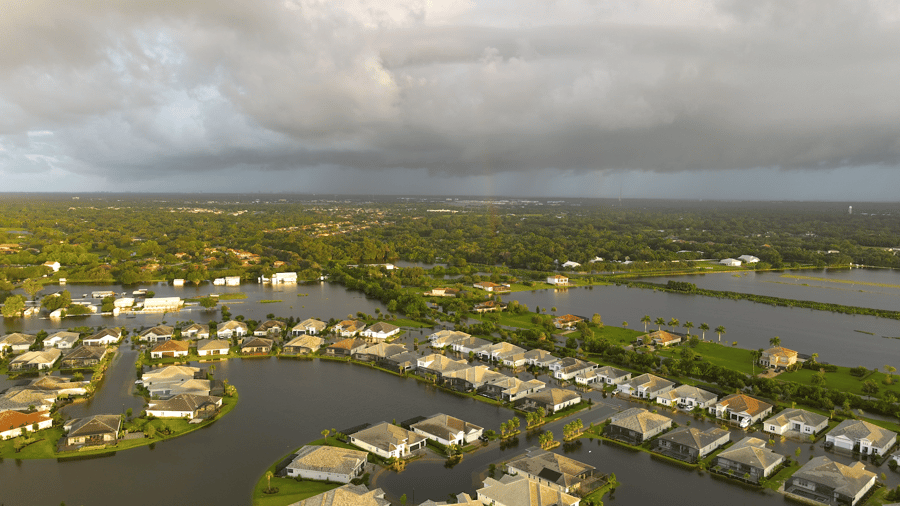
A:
(110, 90)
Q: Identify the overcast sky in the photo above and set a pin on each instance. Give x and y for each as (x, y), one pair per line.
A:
(686, 99)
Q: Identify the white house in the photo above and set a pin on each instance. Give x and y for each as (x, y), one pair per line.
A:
(284, 278)
(612, 376)
(157, 334)
(748, 259)
(53, 265)
(380, 331)
(309, 326)
(61, 340)
(170, 349)
(730, 262)
(184, 406)
(742, 409)
(798, 420)
(568, 368)
(163, 304)
(17, 342)
(232, 280)
(645, 386)
(178, 282)
(687, 397)
(861, 436)
(557, 280)
(522, 491)
(105, 337)
(447, 430)
(327, 463)
(571, 265)
(387, 440)
(13, 422)
(231, 328)
(824, 481)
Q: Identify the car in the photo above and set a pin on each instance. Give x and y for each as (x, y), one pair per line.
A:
(483, 438)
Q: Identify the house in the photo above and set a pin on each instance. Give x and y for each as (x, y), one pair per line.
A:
(570, 264)
(691, 444)
(493, 351)
(163, 304)
(195, 331)
(748, 259)
(730, 262)
(379, 351)
(232, 281)
(327, 463)
(58, 385)
(489, 306)
(257, 346)
(661, 338)
(468, 344)
(106, 337)
(166, 380)
(612, 376)
(470, 378)
(509, 389)
(778, 357)
(346, 347)
(862, 437)
(13, 422)
(402, 362)
(636, 425)
(170, 349)
(269, 328)
(558, 280)
(444, 338)
(17, 342)
(645, 386)
(309, 326)
(303, 345)
(551, 399)
(185, 406)
(123, 303)
(742, 409)
(61, 340)
(83, 357)
(447, 430)
(231, 328)
(491, 287)
(539, 358)
(178, 282)
(687, 397)
(26, 399)
(521, 491)
(388, 441)
(461, 499)
(35, 360)
(796, 420)
(356, 495)
(748, 457)
(157, 334)
(93, 430)
(53, 265)
(380, 331)
(207, 347)
(567, 321)
(571, 367)
(438, 365)
(831, 483)
(283, 278)
(442, 292)
(550, 469)
(349, 328)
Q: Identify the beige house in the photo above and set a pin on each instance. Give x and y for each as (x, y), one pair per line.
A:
(778, 357)
(93, 430)
(327, 463)
(522, 491)
(387, 440)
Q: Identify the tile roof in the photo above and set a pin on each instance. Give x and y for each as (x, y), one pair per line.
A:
(17, 338)
(648, 381)
(231, 325)
(171, 345)
(383, 327)
(859, 429)
(37, 357)
(97, 424)
(695, 438)
(663, 337)
(318, 325)
(846, 480)
(86, 352)
(183, 402)
(349, 344)
(535, 461)
(170, 371)
(446, 426)
(779, 351)
(159, 330)
(640, 420)
(387, 437)
(554, 396)
(306, 341)
(347, 495)
(796, 414)
(752, 452)
(213, 344)
(612, 372)
(15, 419)
(521, 491)
(740, 403)
(328, 459)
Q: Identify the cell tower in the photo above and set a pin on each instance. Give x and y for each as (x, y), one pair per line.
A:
(850, 210)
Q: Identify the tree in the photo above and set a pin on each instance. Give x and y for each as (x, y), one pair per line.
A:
(775, 341)
(814, 358)
(54, 302)
(703, 328)
(890, 370)
(403, 499)
(688, 326)
(674, 323)
(269, 475)
(870, 388)
(659, 323)
(325, 433)
(208, 302)
(13, 306)
(720, 330)
(597, 320)
(645, 320)
(32, 287)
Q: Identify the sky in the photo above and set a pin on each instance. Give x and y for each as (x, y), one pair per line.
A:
(730, 99)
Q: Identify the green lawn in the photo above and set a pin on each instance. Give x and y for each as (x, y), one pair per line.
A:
(737, 359)
(404, 322)
(289, 489)
(842, 380)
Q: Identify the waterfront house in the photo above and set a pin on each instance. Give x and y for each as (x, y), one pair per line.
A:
(309, 326)
(567, 321)
(494, 351)
(166, 380)
(612, 376)
(568, 368)
(35, 360)
(170, 349)
(355, 495)
(327, 463)
(93, 430)
(730, 262)
(661, 338)
(208, 347)
(558, 280)
(491, 287)
(510, 389)
(521, 491)
(489, 306)
(52, 264)
(378, 351)
(471, 378)
(270, 328)
(861, 436)
(778, 357)
(691, 444)
(539, 358)
(468, 344)
(157, 334)
(349, 328)
(346, 347)
(387, 440)
(17, 342)
(461, 499)
(796, 420)
(550, 469)
(380, 331)
(687, 397)
(61, 340)
(832, 483)
(444, 338)
(25, 399)
(748, 259)
(13, 422)
(741, 409)
(748, 457)
(442, 292)
(303, 344)
(195, 331)
(57, 385)
(645, 386)
(636, 425)
(551, 399)
(185, 406)
(231, 328)
(438, 365)
(257, 346)
(106, 337)
(83, 357)
(447, 430)
(163, 304)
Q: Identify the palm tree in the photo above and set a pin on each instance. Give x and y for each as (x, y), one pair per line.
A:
(269, 475)
(704, 327)
(720, 330)
(688, 326)
(673, 323)
(814, 357)
(645, 320)
(775, 341)
(659, 323)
